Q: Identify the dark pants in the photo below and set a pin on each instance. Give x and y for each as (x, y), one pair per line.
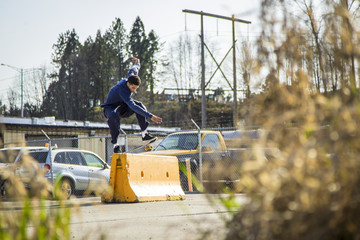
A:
(122, 111)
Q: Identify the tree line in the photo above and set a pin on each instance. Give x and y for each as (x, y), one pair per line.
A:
(86, 71)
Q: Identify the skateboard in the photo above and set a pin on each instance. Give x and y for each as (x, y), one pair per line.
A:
(147, 143)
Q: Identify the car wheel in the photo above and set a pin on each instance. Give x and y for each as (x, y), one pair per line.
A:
(66, 187)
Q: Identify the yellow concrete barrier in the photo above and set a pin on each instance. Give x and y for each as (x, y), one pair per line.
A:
(140, 178)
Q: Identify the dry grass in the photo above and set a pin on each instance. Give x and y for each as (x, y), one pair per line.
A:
(27, 208)
(24, 213)
(309, 189)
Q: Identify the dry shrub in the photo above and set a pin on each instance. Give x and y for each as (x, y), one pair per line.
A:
(23, 179)
(24, 212)
(310, 188)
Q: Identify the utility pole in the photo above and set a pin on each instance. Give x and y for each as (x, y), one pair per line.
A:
(21, 71)
(235, 120)
(234, 88)
(22, 91)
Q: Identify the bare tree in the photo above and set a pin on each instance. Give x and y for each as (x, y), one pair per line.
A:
(307, 7)
(343, 36)
(13, 99)
(318, 37)
(183, 63)
(36, 85)
(247, 64)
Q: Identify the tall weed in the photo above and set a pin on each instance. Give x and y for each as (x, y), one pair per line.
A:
(25, 211)
(310, 187)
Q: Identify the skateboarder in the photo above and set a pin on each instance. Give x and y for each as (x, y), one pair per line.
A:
(119, 104)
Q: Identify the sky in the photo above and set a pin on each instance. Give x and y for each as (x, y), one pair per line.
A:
(29, 28)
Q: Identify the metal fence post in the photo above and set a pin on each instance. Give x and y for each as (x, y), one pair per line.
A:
(126, 144)
(51, 167)
(200, 151)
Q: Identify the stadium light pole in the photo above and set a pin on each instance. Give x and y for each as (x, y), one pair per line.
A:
(21, 71)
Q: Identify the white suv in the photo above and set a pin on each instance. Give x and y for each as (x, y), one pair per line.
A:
(76, 169)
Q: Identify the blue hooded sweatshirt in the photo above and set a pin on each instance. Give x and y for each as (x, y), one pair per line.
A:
(121, 93)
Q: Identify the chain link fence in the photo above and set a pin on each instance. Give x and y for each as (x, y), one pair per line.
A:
(205, 159)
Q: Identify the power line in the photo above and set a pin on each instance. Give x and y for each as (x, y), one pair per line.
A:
(4, 90)
(10, 88)
(21, 71)
(26, 73)
(9, 78)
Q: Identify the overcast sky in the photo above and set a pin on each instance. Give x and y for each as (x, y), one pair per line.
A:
(29, 28)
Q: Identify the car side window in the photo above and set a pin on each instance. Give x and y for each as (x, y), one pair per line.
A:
(190, 141)
(212, 142)
(93, 161)
(60, 158)
(39, 156)
(75, 158)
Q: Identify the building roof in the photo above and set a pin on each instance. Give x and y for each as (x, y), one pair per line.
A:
(52, 122)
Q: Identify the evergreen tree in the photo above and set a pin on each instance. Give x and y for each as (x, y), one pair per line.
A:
(153, 49)
(138, 48)
(145, 48)
(65, 89)
(116, 42)
(100, 63)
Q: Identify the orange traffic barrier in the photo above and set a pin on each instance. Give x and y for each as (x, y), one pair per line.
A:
(140, 178)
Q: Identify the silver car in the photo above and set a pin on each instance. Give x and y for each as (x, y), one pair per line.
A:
(77, 170)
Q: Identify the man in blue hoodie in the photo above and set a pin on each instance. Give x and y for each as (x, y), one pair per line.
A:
(119, 104)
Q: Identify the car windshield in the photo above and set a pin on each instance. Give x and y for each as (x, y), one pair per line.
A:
(179, 142)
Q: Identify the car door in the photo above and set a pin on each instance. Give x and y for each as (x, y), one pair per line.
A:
(77, 166)
(211, 149)
(60, 166)
(97, 169)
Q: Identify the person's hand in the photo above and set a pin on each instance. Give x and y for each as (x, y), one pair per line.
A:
(135, 60)
(156, 119)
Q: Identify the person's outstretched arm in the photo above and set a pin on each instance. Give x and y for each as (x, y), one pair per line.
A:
(134, 70)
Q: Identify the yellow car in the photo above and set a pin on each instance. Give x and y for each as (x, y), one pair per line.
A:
(185, 145)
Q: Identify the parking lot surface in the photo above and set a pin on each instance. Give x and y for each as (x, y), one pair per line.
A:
(198, 215)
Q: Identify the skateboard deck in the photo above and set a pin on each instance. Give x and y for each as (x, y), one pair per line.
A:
(144, 145)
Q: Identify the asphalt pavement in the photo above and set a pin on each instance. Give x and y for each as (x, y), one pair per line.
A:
(197, 216)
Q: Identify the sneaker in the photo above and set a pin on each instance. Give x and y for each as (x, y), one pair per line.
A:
(148, 137)
(116, 149)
